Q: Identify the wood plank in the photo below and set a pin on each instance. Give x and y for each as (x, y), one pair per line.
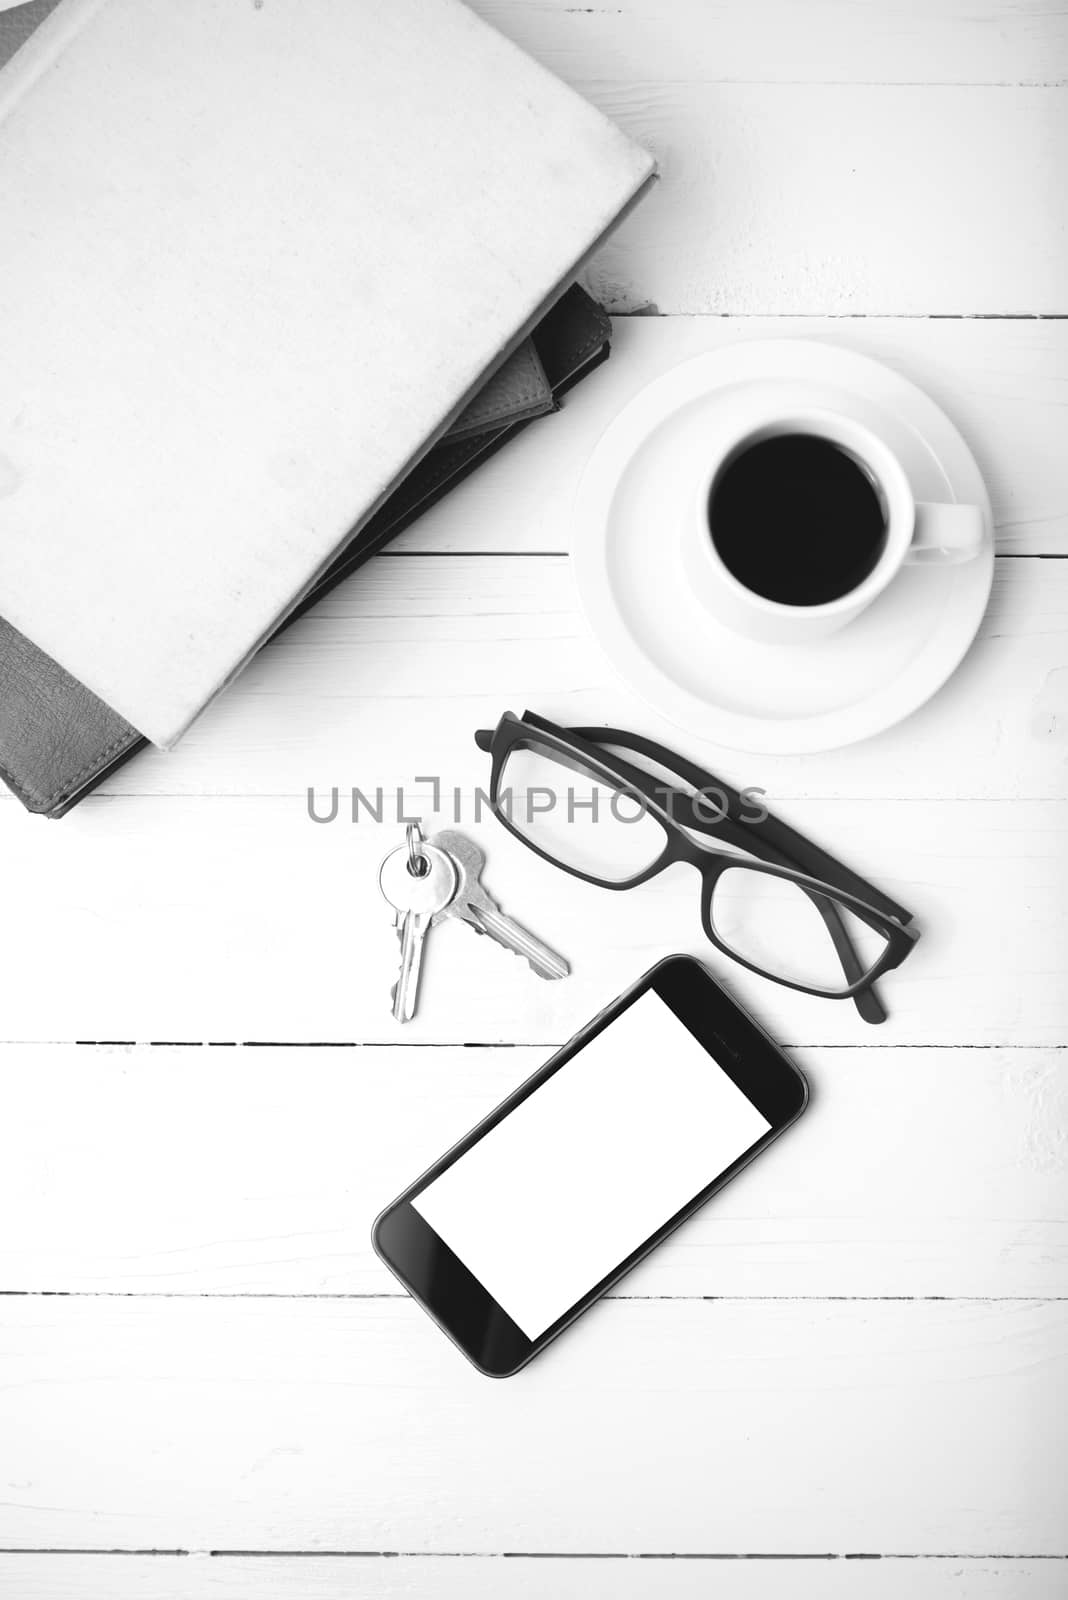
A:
(109, 1577)
(839, 198)
(845, 193)
(219, 919)
(1004, 383)
(388, 679)
(921, 1172)
(690, 1426)
(766, 41)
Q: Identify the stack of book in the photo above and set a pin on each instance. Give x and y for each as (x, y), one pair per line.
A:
(275, 275)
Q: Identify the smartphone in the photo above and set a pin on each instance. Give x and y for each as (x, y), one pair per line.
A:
(628, 1129)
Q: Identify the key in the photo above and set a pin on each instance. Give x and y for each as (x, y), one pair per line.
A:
(474, 905)
(415, 901)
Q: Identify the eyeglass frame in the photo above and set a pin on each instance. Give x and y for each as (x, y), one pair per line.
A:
(769, 838)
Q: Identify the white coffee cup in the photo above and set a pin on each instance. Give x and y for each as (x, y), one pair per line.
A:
(915, 531)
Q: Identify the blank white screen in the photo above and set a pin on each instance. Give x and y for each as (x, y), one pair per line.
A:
(589, 1166)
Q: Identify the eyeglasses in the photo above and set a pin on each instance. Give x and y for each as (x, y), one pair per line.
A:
(785, 909)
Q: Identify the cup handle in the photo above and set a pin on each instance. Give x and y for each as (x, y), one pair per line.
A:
(945, 534)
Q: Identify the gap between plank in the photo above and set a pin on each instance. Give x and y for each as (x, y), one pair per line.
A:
(397, 1294)
(454, 1044)
(540, 555)
(651, 310)
(538, 1555)
(259, 796)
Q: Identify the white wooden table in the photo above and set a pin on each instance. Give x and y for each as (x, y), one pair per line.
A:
(848, 1377)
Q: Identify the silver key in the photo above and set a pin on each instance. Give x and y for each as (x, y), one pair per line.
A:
(415, 900)
(475, 906)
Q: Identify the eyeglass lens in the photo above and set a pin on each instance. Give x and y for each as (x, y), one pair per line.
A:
(575, 816)
(778, 927)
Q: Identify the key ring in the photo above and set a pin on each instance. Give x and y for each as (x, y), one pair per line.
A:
(418, 865)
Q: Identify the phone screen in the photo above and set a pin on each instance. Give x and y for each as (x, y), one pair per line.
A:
(586, 1168)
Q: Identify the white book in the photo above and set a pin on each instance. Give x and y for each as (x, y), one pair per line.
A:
(255, 255)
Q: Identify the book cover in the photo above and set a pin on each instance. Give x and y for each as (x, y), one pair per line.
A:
(58, 740)
(257, 258)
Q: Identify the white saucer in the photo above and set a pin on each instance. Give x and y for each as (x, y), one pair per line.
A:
(694, 671)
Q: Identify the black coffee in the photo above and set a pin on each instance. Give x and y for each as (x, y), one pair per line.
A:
(797, 520)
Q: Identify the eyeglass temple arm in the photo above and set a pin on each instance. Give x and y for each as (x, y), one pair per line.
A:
(867, 1001)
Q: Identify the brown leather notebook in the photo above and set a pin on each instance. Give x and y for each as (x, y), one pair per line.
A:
(58, 740)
